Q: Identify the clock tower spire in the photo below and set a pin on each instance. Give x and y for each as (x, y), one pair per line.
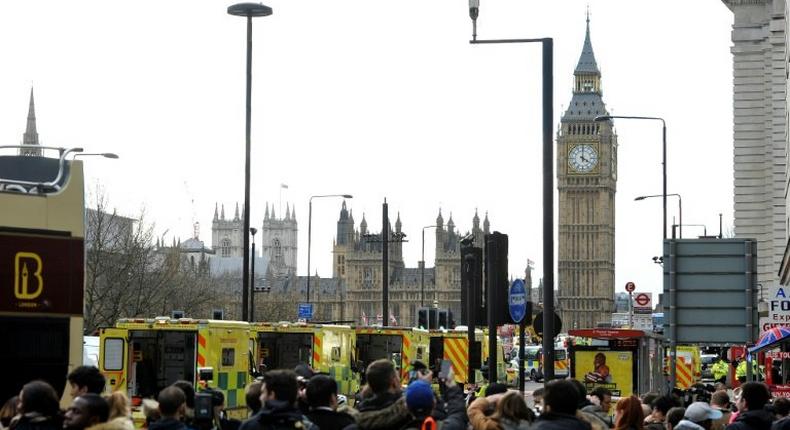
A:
(586, 180)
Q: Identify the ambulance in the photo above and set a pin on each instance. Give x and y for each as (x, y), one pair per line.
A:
(143, 356)
(400, 345)
(688, 366)
(325, 348)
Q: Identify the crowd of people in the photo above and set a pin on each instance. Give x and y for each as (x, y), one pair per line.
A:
(301, 399)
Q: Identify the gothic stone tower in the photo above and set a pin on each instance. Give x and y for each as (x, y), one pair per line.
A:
(278, 242)
(226, 238)
(586, 179)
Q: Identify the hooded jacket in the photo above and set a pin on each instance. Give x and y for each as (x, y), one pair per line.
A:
(752, 420)
(554, 421)
(382, 412)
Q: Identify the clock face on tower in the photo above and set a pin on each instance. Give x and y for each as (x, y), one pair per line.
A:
(582, 158)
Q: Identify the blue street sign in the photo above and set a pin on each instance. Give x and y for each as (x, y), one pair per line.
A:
(517, 301)
(305, 311)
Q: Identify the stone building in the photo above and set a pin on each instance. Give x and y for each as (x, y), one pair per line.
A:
(587, 180)
(760, 59)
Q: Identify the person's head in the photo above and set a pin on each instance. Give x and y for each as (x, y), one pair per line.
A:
(720, 399)
(381, 376)
(754, 396)
(172, 402)
(85, 379)
(9, 410)
(252, 394)
(304, 371)
(649, 398)
(39, 396)
(537, 398)
(702, 414)
(604, 396)
(118, 404)
(581, 393)
(189, 392)
(674, 415)
(600, 359)
(495, 388)
(782, 406)
(322, 391)
(561, 397)
(628, 413)
(513, 407)
(662, 405)
(279, 385)
(419, 398)
(85, 411)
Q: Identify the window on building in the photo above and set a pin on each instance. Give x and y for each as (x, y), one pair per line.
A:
(225, 247)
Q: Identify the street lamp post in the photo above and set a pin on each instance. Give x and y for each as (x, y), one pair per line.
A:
(673, 344)
(310, 232)
(253, 231)
(680, 210)
(248, 10)
(422, 267)
(548, 181)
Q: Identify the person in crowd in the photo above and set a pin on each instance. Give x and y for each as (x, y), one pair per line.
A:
(172, 407)
(278, 400)
(720, 369)
(698, 416)
(221, 420)
(383, 405)
(87, 410)
(252, 394)
(150, 412)
(537, 400)
(782, 412)
(510, 412)
(584, 405)
(38, 408)
(85, 379)
(720, 401)
(658, 415)
(489, 391)
(322, 400)
(674, 416)
(649, 398)
(561, 399)
(751, 408)
(120, 412)
(8, 412)
(601, 403)
(421, 401)
(628, 414)
(189, 394)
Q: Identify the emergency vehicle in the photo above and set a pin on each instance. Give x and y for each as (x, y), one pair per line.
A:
(533, 362)
(400, 345)
(688, 366)
(325, 348)
(143, 356)
(453, 345)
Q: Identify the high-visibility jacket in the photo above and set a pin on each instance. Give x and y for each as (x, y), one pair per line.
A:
(740, 371)
(719, 369)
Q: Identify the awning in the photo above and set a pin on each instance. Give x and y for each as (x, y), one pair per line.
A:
(771, 338)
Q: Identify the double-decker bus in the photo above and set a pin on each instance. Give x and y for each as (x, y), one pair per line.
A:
(42, 236)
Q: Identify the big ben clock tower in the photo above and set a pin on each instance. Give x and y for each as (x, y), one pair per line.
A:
(586, 179)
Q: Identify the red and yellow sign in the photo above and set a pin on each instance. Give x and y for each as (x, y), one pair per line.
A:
(609, 369)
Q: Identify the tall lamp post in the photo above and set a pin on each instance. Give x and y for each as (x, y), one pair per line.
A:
(253, 231)
(548, 181)
(310, 232)
(680, 210)
(248, 10)
(422, 267)
(673, 344)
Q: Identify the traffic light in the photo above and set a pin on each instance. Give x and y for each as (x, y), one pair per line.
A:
(497, 278)
(472, 286)
(422, 318)
(445, 319)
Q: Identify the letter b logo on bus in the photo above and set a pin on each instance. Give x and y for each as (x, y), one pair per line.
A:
(28, 283)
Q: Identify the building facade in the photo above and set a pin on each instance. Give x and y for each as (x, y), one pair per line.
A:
(760, 138)
(586, 179)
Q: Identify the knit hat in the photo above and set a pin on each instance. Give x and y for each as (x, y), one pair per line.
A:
(419, 396)
(700, 411)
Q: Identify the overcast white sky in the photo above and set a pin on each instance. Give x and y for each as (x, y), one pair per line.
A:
(376, 99)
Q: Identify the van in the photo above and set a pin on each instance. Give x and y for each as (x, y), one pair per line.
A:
(533, 362)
